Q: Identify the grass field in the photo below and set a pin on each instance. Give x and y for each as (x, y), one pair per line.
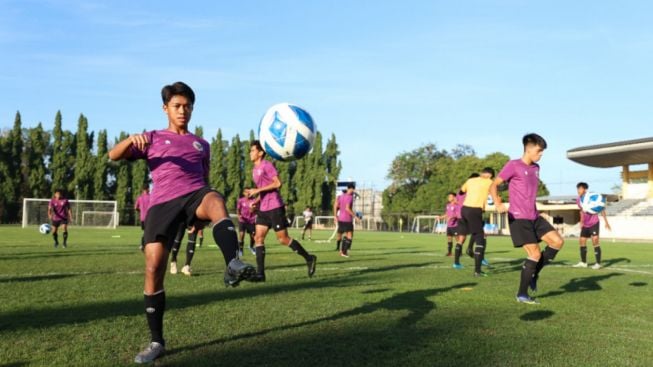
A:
(395, 302)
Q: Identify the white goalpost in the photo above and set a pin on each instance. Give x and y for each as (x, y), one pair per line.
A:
(86, 213)
(425, 223)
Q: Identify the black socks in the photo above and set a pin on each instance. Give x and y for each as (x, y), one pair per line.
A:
(479, 254)
(260, 259)
(548, 254)
(338, 245)
(56, 238)
(527, 273)
(449, 247)
(597, 254)
(297, 247)
(346, 245)
(65, 238)
(174, 251)
(583, 254)
(225, 237)
(458, 252)
(190, 247)
(241, 245)
(155, 305)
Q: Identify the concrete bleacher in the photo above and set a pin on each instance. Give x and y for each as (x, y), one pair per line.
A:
(643, 209)
(621, 206)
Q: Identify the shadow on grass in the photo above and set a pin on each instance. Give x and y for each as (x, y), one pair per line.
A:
(638, 284)
(610, 262)
(415, 302)
(65, 253)
(536, 315)
(36, 278)
(586, 284)
(70, 314)
(14, 364)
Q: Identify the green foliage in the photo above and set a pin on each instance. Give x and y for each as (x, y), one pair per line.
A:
(218, 166)
(84, 167)
(199, 131)
(101, 169)
(123, 193)
(35, 155)
(235, 174)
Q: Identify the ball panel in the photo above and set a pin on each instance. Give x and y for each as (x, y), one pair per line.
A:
(287, 132)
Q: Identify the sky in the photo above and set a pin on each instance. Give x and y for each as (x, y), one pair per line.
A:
(383, 76)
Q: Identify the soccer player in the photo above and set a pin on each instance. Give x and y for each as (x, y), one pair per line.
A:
(344, 215)
(590, 225)
(60, 214)
(246, 210)
(308, 220)
(271, 211)
(178, 162)
(190, 249)
(452, 213)
(142, 204)
(476, 190)
(527, 227)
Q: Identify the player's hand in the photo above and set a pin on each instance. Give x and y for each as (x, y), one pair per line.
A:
(607, 226)
(139, 141)
(501, 208)
(251, 192)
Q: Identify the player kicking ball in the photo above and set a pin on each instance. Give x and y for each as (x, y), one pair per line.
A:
(60, 214)
(179, 165)
(527, 227)
(271, 212)
(590, 225)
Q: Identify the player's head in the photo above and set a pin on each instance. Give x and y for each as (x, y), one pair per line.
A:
(487, 172)
(451, 197)
(178, 101)
(308, 208)
(244, 192)
(256, 151)
(534, 146)
(58, 193)
(146, 189)
(474, 175)
(582, 187)
(351, 188)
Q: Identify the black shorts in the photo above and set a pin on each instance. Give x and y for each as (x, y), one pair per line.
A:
(57, 223)
(309, 224)
(344, 227)
(524, 231)
(164, 220)
(452, 231)
(588, 232)
(247, 227)
(143, 225)
(471, 221)
(275, 219)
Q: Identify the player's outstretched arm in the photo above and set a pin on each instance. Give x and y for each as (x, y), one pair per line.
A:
(274, 185)
(121, 150)
(494, 192)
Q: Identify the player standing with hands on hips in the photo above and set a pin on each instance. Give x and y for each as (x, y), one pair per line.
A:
(179, 164)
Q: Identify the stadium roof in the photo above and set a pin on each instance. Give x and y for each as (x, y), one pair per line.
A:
(639, 151)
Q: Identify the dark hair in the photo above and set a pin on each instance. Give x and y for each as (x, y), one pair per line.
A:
(474, 175)
(351, 185)
(451, 193)
(259, 147)
(583, 185)
(533, 139)
(489, 170)
(146, 187)
(177, 89)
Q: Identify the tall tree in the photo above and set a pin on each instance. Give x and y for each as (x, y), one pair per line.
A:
(332, 167)
(58, 164)
(83, 164)
(218, 174)
(248, 164)
(35, 172)
(101, 170)
(199, 131)
(123, 188)
(318, 175)
(234, 172)
(10, 171)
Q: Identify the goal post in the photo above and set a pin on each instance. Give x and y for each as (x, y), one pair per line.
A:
(425, 223)
(86, 213)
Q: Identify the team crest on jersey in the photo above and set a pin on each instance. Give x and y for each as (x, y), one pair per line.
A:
(198, 146)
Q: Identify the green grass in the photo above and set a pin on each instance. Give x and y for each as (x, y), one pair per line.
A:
(395, 302)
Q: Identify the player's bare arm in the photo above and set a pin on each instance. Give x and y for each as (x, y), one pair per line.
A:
(494, 192)
(121, 150)
(276, 184)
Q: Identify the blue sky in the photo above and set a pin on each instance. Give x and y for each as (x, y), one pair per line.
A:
(385, 77)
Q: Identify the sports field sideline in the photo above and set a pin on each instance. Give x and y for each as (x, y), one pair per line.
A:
(396, 301)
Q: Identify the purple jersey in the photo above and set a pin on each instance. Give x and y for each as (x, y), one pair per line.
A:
(589, 219)
(344, 201)
(453, 213)
(179, 164)
(143, 204)
(523, 182)
(59, 209)
(245, 212)
(263, 175)
(460, 198)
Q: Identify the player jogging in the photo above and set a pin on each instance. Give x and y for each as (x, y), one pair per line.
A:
(308, 220)
(476, 190)
(246, 210)
(178, 162)
(271, 211)
(60, 214)
(590, 225)
(344, 216)
(527, 227)
(142, 204)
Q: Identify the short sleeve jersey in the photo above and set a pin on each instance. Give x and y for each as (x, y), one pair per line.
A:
(589, 220)
(179, 164)
(143, 204)
(246, 214)
(59, 209)
(344, 201)
(523, 182)
(308, 215)
(453, 213)
(263, 175)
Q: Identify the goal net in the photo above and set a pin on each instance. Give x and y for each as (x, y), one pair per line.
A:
(86, 213)
(425, 224)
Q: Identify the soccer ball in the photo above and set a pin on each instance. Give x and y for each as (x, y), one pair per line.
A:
(45, 228)
(592, 203)
(287, 132)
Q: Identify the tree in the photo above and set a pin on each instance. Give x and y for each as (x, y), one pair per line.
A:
(199, 131)
(234, 179)
(123, 188)
(101, 170)
(35, 155)
(332, 167)
(140, 178)
(317, 174)
(10, 171)
(248, 165)
(218, 172)
(58, 164)
(83, 164)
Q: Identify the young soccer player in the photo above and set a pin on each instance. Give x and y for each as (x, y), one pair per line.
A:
(590, 225)
(178, 162)
(476, 190)
(246, 210)
(308, 220)
(60, 214)
(271, 212)
(190, 249)
(142, 204)
(527, 227)
(452, 213)
(344, 215)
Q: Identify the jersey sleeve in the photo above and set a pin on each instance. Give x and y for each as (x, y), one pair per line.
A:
(507, 172)
(271, 170)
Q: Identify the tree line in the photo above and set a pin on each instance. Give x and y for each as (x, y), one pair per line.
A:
(35, 162)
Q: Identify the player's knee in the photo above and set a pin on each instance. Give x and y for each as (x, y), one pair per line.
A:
(557, 242)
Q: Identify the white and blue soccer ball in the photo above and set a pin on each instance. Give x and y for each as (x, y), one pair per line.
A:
(287, 132)
(45, 228)
(592, 203)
